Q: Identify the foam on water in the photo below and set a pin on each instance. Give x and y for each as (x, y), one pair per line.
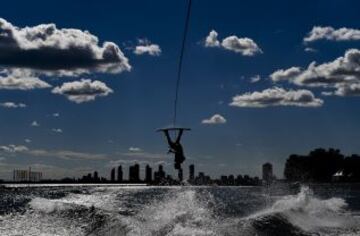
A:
(178, 211)
(310, 214)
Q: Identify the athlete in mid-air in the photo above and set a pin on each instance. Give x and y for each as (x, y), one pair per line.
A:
(176, 148)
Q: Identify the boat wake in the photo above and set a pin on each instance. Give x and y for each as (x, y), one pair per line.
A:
(177, 211)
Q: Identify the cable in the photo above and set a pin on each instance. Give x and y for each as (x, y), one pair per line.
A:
(181, 60)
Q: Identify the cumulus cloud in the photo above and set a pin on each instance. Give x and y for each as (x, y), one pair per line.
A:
(12, 105)
(18, 79)
(27, 140)
(244, 46)
(56, 114)
(47, 49)
(255, 79)
(151, 49)
(342, 71)
(277, 97)
(214, 120)
(84, 90)
(212, 39)
(284, 75)
(13, 148)
(57, 130)
(35, 124)
(329, 33)
(347, 90)
(135, 149)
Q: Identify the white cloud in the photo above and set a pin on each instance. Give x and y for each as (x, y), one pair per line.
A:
(151, 49)
(277, 97)
(13, 148)
(329, 33)
(281, 75)
(62, 154)
(342, 71)
(347, 90)
(35, 124)
(57, 130)
(255, 79)
(27, 140)
(66, 154)
(135, 149)
(56, 114)
(58, 51)
(327, 93)
(308, 49)
(214, 120)
(12, 105)
(18, 79)
(212, 40)
(84, 90)
(244, 46)
(144, 155)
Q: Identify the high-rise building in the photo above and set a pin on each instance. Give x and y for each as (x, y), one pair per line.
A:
(191, 172)
(159, 175)
(119, 174)
(27, 176)
(231, 180)
(201, 178)
(148, 174)
(267, 173)
(239, 180)
(224, 180)
(89, 178)
(112, 175)
(96, 176)
(134, 173)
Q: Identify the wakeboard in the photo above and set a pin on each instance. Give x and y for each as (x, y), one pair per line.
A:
(173, 128)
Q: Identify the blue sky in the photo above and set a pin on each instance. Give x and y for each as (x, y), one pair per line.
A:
(128, 105)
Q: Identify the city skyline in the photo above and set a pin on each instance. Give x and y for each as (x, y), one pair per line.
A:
(147, 175)
(84, 90)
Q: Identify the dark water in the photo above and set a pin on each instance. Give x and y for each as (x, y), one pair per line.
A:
(281, 210)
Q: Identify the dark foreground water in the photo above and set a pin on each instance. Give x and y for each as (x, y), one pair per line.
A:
(143, 211)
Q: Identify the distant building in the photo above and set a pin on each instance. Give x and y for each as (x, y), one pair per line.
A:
(224, 180)
(112, 175)
(191, 172)
(96, 176)
(201, 178)
(120, 174)
(239, 180)
(148, 174)
(159, 176)
(267, 173)
(26, 176)
(231, 180)
(134, 173)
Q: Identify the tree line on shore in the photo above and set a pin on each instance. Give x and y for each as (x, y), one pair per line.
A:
(322, 165)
